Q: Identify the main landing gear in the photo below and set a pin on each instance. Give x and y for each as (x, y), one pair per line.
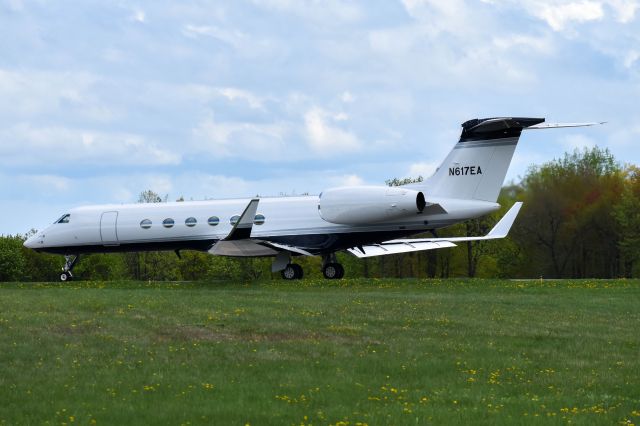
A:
(292, 271)
(331, 269)
(69, 262)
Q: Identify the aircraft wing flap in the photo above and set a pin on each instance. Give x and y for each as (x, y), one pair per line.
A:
(241, 248)
(286, 247)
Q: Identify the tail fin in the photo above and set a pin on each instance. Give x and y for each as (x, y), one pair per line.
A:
(476, 167)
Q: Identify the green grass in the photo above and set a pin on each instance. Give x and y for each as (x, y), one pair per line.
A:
(313, 352)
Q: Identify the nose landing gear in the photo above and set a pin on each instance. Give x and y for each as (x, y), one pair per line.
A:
(69, 262)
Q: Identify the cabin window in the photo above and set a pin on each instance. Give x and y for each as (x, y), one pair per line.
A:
(145, 224)
(168, 223)
(234, 219)
(213, 220)
(190, 221)
(64, 219)
(259, 219)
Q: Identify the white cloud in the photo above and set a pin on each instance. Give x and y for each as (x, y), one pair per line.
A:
(626, 137)
(347, 97)
(519, 41)
(324, 136)
(233, 37)
(625, 9)
(24, 144)
(577, 141)
(245, 44)
(46, 182)
(257, 142)
(328, 12)
(15, 5)
(295, 85)
(424, 169)
(138, 16)
(349, 180)
(557, 16)
(233, 93)
(31, 93)
(631, 58)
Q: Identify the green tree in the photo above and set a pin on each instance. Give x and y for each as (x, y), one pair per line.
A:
(627, 215)
(149, 196)
(101, 267)
(565, 227)
(12, 262)
(403, 181)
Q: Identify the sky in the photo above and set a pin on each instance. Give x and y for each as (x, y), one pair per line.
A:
(100, 101)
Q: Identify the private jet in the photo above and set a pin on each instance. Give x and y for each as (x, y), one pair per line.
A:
(361, 220)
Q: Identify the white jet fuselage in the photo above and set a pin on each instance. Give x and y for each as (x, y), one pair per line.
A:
(198, 225)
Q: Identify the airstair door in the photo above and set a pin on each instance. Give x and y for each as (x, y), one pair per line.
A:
(108, 232)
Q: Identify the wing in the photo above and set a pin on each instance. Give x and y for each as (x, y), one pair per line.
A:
(410, 245)
(397, 246)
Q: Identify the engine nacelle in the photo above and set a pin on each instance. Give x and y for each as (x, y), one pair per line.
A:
(355, 205)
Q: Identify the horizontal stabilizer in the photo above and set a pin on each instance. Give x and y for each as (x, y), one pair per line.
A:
(496, 127)
(563, 125)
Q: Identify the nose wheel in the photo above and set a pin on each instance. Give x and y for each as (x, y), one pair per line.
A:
(69, 262)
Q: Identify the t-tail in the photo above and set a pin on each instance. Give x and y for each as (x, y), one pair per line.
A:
(476, 167)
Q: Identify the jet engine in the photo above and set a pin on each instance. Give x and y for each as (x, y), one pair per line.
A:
(354, 205)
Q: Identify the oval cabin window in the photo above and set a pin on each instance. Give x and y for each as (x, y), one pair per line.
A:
(213, 220)
(190, 221)
(145, 224)
(168, 223)
(259, 219)
(234, 219)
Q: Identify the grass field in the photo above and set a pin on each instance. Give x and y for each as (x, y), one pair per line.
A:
(375, 352)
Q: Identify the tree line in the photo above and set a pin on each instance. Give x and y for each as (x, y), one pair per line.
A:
(580, 218)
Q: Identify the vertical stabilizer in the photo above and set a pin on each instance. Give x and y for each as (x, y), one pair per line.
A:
(476, 167)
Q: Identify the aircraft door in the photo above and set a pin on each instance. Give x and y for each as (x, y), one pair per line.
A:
(108, 233)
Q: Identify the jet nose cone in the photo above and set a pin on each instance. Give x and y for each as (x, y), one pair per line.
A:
(31, 242)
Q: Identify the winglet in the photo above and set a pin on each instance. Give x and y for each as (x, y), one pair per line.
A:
(504, 225)
(242, 229)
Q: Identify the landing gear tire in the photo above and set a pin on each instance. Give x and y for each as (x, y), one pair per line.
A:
(69, 262)
(333, 271)
(292, 272)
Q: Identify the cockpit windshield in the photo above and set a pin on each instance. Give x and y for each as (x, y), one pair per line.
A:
(64, 219)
